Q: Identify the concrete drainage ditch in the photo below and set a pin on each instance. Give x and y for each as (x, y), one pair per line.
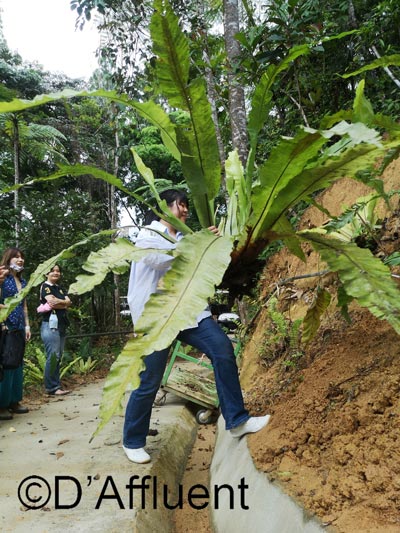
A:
(244, 499)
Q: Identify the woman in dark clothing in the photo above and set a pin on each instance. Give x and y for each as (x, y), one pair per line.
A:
(53, 329)
(11, 387)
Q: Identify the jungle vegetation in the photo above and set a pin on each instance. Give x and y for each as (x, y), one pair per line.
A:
(253, 109)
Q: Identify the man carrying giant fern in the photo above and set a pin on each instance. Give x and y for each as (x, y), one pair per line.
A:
(205, 334)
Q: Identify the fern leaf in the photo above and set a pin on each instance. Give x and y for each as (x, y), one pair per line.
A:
(364, 277)
(285, 163)
(384, 61)
(197, 139)
(198, 143)
(172, 50)
(290, 175)
(116, 257)
(238, 207)
(148, 110)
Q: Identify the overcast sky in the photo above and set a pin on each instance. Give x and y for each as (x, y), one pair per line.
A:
(44, 31)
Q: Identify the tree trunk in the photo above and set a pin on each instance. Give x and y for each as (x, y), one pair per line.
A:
(17, 177)
(113, 219)
(237, 109)
(212, 97)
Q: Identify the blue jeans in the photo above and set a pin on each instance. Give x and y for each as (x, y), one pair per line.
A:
(53, 340)
(208, 337)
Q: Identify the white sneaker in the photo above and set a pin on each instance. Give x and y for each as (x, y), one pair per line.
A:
(252, 425)
(137, 455)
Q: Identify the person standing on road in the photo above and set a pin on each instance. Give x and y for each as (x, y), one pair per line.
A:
(11, 387)
(53, 329)
(207, 336)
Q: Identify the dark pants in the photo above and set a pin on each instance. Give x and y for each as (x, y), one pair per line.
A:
(208, 337)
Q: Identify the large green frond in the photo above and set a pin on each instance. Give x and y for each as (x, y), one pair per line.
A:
(172, 50)
(198, 144)
(148, 110)
(295, 171)
(384, 61)
(196, 138)
(364, 277)
(285, 163)
(82, 170)
(116, 257)
(75, 171)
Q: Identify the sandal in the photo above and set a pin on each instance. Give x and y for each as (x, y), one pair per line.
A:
(59, 392)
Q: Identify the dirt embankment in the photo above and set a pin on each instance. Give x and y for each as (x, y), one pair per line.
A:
(333, 438)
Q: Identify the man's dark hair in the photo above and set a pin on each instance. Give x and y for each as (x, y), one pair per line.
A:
(170, 196)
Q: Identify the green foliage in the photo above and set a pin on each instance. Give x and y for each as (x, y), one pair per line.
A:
(378, 63)
(393, 259)
(281, 338)
(196, 138)
(116, 257)
(357, 223)
(364, 277)
(343, 301)
(35, 363)
(84, 366)
(34, 366)
(259, 197)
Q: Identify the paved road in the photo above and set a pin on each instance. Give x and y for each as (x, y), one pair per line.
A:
(88, 485)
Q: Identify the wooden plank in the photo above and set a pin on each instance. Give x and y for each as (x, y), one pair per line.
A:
(200, 390)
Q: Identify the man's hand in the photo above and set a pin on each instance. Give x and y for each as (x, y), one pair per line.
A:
(214, 230)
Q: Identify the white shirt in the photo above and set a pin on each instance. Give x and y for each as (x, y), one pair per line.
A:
(146, 274)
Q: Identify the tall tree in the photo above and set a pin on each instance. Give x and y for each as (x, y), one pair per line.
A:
(237, 108)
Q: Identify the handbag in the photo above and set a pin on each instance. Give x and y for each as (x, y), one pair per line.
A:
(43, 308)
(12, 348)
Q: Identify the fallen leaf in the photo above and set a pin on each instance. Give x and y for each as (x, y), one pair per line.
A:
(59, 455)
(13, 430)
(63, 442)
